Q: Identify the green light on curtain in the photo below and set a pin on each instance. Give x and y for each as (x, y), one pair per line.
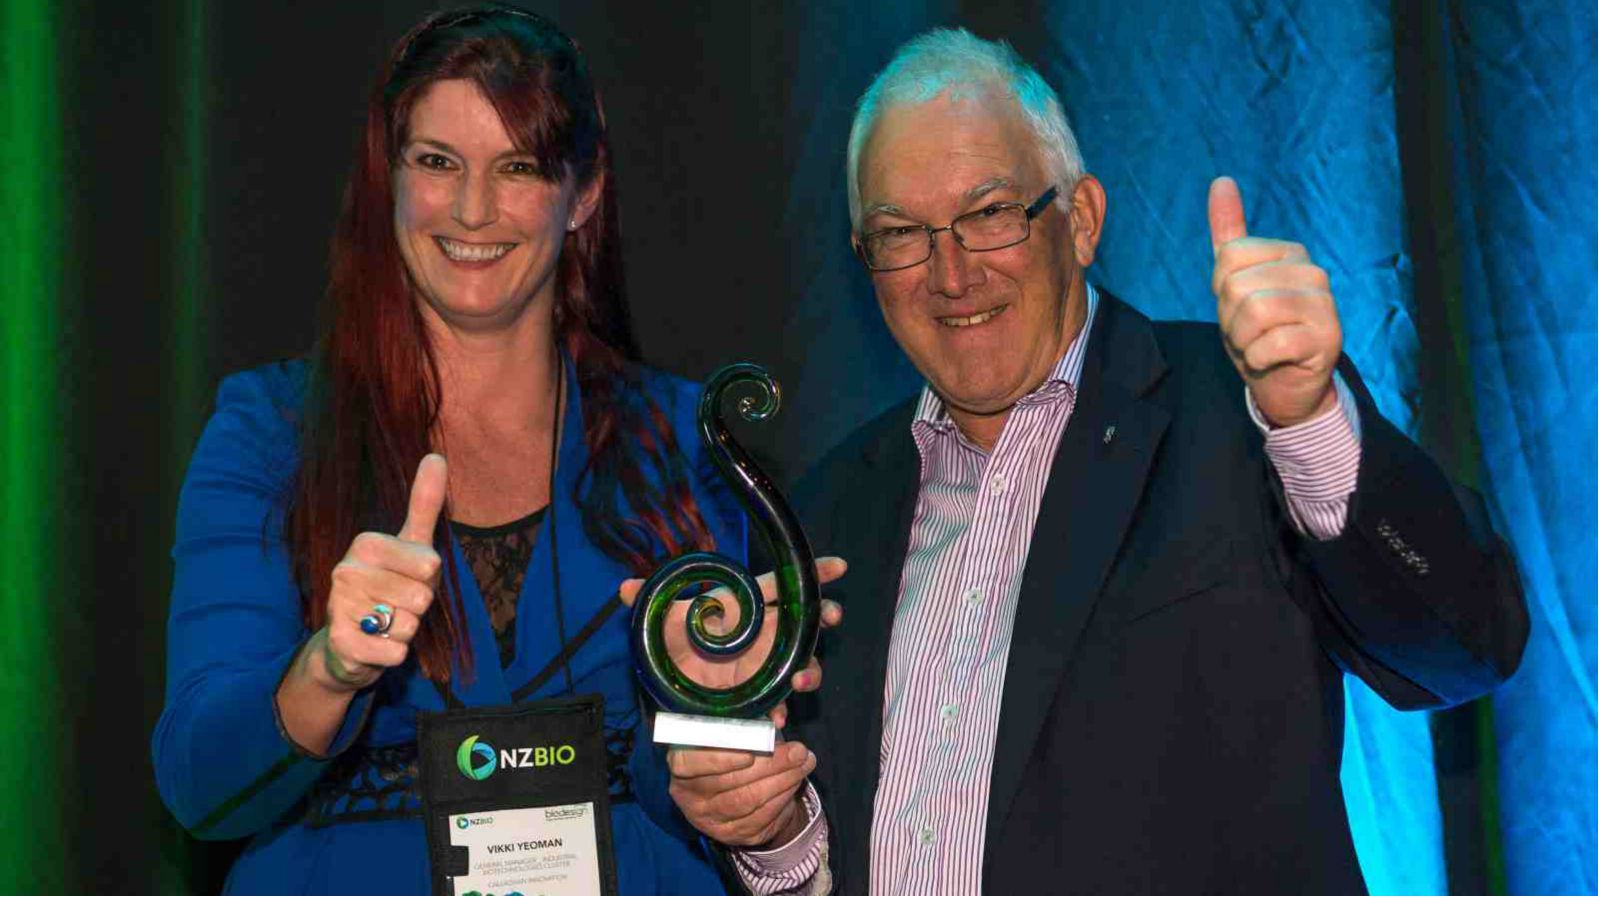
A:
(32, 745)
(184, 375)
(185, 378)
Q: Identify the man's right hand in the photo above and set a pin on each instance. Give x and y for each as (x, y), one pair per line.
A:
(742, 799)
(737, 798)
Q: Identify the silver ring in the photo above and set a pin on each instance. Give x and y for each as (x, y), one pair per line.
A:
(378, 621)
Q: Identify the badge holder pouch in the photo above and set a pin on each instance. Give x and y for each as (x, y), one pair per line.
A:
(515, 799)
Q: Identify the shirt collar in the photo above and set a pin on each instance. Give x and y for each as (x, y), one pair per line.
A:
(1063, 376)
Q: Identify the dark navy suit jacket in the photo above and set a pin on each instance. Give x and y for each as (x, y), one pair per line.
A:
(1173, 709)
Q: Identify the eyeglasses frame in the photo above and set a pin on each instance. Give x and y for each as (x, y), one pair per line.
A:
(1031, 211)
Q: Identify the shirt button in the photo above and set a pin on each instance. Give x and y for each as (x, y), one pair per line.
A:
(998, 484)
(948, 713)
(925, 836)
(973, 596)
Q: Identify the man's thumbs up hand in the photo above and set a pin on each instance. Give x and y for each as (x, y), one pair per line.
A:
(1276, 313)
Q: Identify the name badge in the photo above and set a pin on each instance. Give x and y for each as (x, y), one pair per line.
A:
(515, 800)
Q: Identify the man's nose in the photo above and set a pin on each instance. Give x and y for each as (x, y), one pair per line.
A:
(951, 269)
(475, 201)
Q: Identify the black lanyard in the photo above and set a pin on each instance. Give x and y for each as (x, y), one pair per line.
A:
(562, 661)
(555, 555)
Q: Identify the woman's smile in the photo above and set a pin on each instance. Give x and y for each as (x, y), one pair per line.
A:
(472, 255)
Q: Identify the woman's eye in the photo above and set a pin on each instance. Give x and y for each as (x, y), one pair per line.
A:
(433, 161)
(521, 167)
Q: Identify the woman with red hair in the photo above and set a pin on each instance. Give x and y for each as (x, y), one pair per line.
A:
(329, 587)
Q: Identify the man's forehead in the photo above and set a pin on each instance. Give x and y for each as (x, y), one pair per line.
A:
(972, 194)
(947, 149)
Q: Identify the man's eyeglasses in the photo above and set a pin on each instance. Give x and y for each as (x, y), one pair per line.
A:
(994, 227)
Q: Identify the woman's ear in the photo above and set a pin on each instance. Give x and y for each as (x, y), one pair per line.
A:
(587, 201)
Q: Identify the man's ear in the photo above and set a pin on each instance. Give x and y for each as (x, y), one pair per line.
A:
(1087, 216)
(588, 200)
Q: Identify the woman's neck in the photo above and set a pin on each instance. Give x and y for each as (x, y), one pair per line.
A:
(496, 379)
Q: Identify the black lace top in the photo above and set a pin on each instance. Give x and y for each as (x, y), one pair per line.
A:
(498, 556)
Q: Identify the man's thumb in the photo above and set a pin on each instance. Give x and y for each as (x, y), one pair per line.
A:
(1225, 210)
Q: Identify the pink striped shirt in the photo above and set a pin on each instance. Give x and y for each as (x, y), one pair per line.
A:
(951, 638)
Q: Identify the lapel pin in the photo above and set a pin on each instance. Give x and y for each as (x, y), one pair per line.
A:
(1110, 431)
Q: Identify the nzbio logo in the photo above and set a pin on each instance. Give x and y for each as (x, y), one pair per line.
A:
(477, 760)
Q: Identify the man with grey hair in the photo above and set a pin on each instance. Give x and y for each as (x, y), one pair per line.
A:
(1107, 574)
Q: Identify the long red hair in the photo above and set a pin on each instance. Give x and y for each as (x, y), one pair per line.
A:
(373, 396)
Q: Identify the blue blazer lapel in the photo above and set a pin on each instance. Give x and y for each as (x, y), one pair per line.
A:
(1095, 483)
(487, 687)
(586, 580)
(537, 636)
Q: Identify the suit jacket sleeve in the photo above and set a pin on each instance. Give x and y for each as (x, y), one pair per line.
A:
(1421, 599)
(804, 724)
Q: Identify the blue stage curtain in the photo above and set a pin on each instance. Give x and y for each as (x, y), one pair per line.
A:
(1524, 174)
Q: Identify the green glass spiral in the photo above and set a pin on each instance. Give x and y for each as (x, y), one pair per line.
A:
(799, 604)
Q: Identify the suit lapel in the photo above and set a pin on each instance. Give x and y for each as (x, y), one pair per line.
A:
(875, 534)
(1095, 483)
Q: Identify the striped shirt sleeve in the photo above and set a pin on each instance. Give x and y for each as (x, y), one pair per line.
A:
(1318, 461)
(798, 867)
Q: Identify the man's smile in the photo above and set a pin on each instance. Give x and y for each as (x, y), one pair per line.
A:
(975, 319)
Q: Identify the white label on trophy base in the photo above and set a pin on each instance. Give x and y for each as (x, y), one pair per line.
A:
(755, 735)
(545, 850)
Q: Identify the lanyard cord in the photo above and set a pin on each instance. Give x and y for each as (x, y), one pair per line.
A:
(555, 555)
(566, 652)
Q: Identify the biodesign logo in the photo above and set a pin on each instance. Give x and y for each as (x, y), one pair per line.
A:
(475, 759)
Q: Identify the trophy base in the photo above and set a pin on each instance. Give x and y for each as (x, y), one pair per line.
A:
(754, 735)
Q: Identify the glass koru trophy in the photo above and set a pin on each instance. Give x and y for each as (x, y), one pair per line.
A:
(732, 716)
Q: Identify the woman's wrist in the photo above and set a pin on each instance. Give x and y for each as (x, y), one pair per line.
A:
(310, 703)
(323, 667)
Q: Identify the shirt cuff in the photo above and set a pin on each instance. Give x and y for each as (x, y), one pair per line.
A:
(792, 867)
(1318, 461)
